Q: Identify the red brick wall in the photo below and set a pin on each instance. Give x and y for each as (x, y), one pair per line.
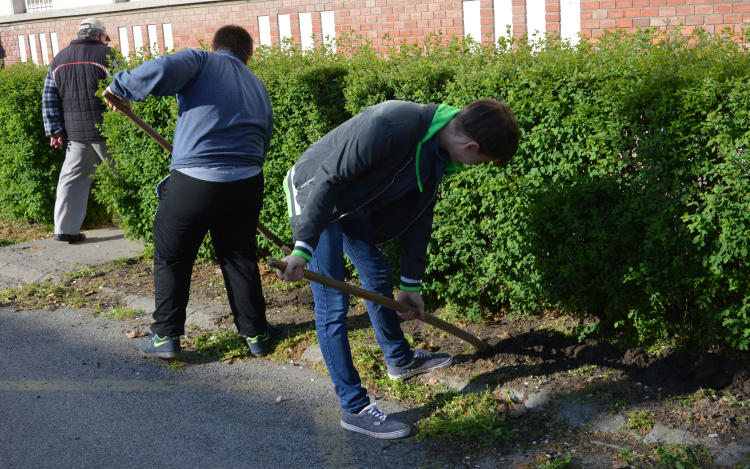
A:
(407, 20)
(712, 15)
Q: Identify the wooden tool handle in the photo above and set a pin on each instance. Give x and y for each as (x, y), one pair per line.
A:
(274, 239)
(387, 302)
(125, 109)
(120, 105)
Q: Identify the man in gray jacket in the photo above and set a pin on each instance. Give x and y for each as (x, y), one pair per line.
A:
(372, 179)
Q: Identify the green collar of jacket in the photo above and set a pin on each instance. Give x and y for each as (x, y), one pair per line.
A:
(443, 115)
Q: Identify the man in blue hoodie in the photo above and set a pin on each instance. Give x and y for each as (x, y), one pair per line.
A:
(372, 179)
(215, 185)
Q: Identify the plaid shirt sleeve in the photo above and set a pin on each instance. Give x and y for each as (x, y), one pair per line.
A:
(51, 107)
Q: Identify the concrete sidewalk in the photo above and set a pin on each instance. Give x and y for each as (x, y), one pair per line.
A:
(37, 261)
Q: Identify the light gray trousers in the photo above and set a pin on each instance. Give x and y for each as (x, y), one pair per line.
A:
(81, 160)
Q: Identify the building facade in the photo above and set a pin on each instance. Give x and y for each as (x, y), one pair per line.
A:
(36, 29)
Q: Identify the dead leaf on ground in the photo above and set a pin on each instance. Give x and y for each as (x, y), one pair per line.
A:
(432, 381)
(134, 334)
(620, 464)
(89, 293)
(511, 409)
(425, 346)
(51, 295)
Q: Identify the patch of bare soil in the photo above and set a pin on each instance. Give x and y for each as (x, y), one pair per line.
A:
(702, 392)
(15, 232)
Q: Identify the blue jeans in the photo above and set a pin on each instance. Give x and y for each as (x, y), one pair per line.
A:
(331, 305)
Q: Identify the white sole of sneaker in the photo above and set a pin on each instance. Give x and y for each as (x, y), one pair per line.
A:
(379, 436)
(445, 364)
(160, 354)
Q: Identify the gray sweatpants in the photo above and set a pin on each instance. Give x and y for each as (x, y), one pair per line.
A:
(81, 160)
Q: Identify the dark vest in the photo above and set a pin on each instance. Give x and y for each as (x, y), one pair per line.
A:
(77, 70)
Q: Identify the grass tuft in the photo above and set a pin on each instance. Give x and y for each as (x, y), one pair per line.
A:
(640, 420)
(119, 312)
(472, 420)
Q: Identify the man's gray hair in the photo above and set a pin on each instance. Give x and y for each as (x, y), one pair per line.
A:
(95, 33)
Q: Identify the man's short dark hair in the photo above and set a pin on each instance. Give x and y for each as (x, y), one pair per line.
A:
(235, 39)
(493, 126)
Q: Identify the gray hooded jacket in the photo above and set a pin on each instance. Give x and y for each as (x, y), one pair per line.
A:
(354, 164)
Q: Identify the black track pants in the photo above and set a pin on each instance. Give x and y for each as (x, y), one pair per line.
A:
(188, 209)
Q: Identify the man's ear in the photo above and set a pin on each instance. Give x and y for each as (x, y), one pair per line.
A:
(470, 146)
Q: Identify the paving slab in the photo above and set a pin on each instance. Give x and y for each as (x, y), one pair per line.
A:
(37, 261)
(206, 317)
(313, 354)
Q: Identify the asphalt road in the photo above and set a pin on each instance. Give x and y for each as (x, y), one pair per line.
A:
(75, 392)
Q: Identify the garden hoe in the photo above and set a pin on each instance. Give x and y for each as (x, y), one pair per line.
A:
(387, 302)
(312, 276)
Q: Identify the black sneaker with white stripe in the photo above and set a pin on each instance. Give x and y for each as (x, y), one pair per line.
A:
(421, 363)
(372, 422)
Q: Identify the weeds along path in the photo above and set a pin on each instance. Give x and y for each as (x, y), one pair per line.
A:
(597, 394)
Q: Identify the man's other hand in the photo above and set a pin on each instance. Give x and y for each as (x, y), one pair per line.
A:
(56, 140)
(411, 298)
(294, 266)
(112, 105)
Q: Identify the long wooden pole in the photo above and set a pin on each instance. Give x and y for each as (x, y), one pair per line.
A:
(121, 106)
(387, 302)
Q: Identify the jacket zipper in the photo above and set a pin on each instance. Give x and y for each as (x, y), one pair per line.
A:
(376, 195)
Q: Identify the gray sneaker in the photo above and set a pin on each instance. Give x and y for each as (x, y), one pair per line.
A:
(421, 363)
(372, 422)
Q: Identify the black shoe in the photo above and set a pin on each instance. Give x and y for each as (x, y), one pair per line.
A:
(71, 239)
(372, 422)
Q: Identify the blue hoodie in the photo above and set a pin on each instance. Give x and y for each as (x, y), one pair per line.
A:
(225, 117)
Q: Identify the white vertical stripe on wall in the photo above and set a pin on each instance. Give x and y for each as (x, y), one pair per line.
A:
(305, 31)
(124, 46)
(137, 38)
(45, 51)
(32, 49)
(472, 20)
(535, 17)
(329, 28)
(570, 19)
(153, 41)
(55, 49)
(285, 27)
(264, 27)
(22, 48)
(168, 41)
(503, 17)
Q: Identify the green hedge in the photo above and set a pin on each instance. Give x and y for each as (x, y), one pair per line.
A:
(628, 199)
(29, 166)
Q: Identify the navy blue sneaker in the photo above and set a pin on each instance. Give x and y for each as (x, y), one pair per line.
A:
(259, 345)
(161, 346)
(421, 363)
